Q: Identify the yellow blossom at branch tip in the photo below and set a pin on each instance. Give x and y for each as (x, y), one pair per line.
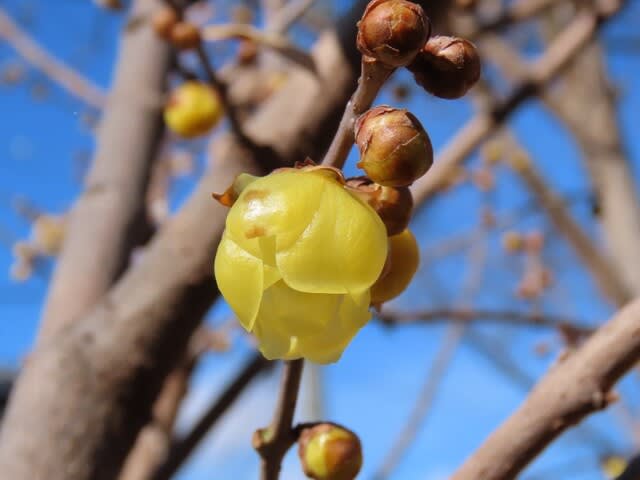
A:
(296, 262)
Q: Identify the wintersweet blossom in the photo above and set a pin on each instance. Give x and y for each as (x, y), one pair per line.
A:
(297, 260)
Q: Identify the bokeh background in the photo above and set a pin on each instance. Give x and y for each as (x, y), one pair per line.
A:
(47, 136)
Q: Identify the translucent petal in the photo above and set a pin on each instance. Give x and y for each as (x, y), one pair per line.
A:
(240, 279)
(328, 346)
(342, 250)
(272, 344)
(289, 312)
(279, 205)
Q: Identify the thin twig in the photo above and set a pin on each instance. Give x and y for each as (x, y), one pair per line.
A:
(57, 71)
(273, 442)
(182, 449)
(463, 315)
(372, 77)
(289, 14)
(221, 88)
(518, 11)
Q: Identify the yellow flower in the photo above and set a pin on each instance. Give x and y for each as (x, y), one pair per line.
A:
(296, 262)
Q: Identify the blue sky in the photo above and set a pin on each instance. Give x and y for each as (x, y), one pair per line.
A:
(373, 387)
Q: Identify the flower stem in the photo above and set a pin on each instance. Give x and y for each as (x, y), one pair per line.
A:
(373, 75)
(273, 442)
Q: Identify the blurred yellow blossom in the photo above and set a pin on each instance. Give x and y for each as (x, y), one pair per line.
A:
(296, 262)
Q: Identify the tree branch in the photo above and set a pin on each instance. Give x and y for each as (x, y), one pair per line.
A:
(184, 447)
(108, 219)
(576, 386)
(63, 75)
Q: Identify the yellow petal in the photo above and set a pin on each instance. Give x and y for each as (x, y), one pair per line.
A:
(342, 250)
(404, 255)
(328, 346)
(240, 279)
(280, 205)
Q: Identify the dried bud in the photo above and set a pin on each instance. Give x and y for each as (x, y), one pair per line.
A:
(185, 36)
(163, 22)
(393, 31)
(394, 148)
(393, 204)
(447, 67)
(404, 259)
(330, 452)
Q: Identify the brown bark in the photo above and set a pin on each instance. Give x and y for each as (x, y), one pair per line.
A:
(578, 385)
(105, 223)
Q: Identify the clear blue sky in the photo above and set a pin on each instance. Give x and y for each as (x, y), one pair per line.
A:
(374, 385)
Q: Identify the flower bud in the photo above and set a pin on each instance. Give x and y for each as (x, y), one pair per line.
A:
(193, 109)
(404, 259)
(447, 67)
(185, 36)
(330, 452)
(393, 31)
(392, 204)
(163, 22)
(394, 148)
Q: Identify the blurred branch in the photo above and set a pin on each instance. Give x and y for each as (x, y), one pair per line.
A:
(289, 14)
(559, 401)
(603, 271)
(585, 103)
(108, 219)
(514, 12)
(184, 447)
(426, 396)
(153, 443)
(57, 71)
(273, 442)
(464, 315)
(557, 57)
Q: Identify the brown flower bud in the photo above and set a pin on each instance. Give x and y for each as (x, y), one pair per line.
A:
(394, 148)
(392, 204)
(447, 67)
(330, 452)
(185, 36)
(163, 22)
(393, 31)
(534, 242)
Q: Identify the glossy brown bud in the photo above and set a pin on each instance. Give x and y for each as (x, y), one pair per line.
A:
(330, 452)
(393, 204)
(394, 148)
(393, 31)
(447, 67)
(163, 22)
(185, 36)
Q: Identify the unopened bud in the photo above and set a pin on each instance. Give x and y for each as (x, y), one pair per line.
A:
(185, 36)
(193, 109)
(48, 234)
(394, 148)
(393, 31)
(404, 259)
(392, 204)
(163, 22)
(330, 452)
(447, 67)
(534, 242)
(512, 242)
